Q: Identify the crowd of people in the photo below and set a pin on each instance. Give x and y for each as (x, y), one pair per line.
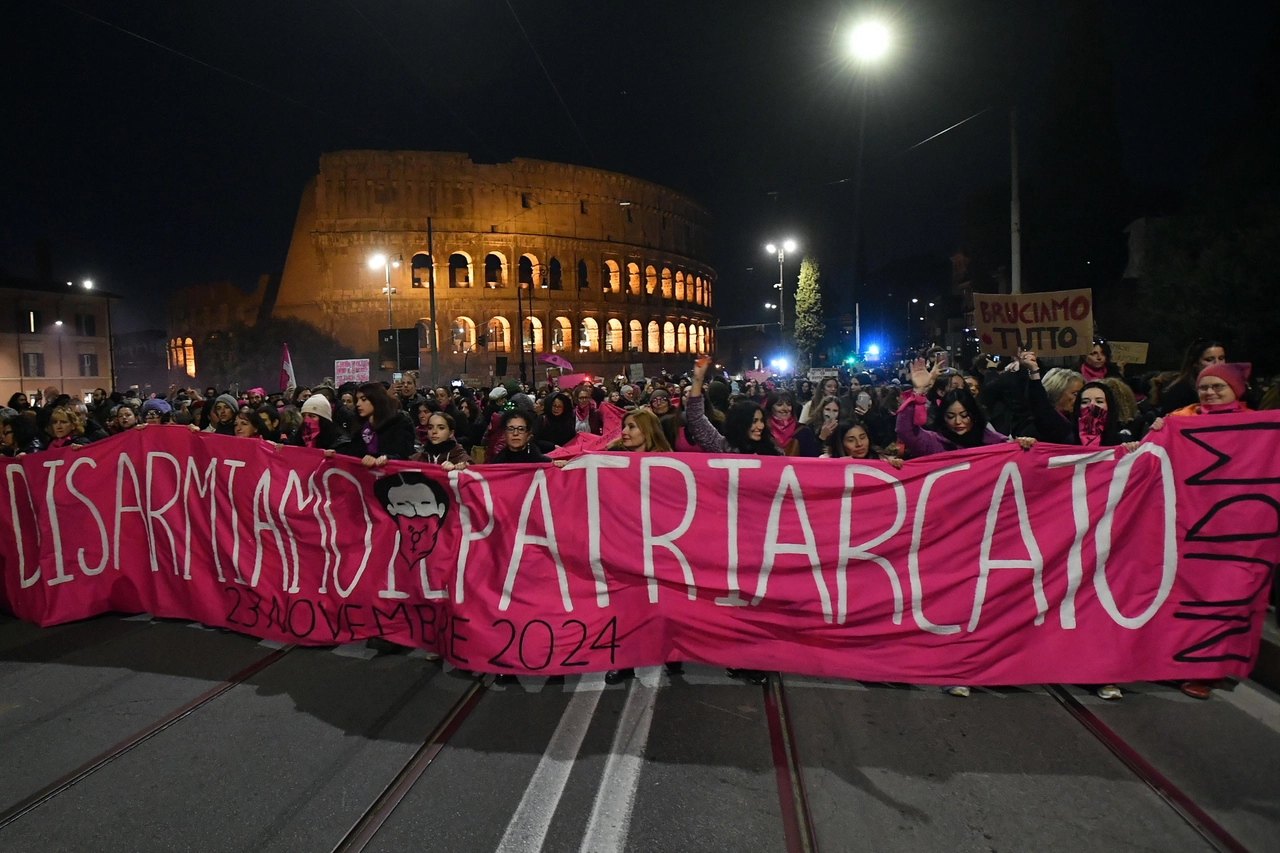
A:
(924, 407)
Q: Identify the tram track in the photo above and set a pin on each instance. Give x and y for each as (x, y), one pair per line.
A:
(93, 765)
(1186, 808)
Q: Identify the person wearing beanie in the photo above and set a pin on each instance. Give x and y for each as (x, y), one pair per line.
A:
(156, 411)
(222, 416)
(317, 428)
(1220, 387)
(497, 395)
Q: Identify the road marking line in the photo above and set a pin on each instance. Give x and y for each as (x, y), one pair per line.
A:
(610, 819)
(527, 829)
(1258, 703)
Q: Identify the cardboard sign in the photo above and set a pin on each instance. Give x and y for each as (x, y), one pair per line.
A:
(817, 374)
(637, 372)
(1055, 323)
(1128, 352)
(351, 370)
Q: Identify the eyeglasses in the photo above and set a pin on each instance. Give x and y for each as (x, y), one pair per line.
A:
(517, 429)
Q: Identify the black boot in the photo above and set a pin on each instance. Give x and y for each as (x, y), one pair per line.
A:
(675, 667)
(752, 676)
(506, 678)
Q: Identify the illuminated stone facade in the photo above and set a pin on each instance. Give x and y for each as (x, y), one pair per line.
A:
(608, 269)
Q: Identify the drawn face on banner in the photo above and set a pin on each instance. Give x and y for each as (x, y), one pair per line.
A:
(419, 506)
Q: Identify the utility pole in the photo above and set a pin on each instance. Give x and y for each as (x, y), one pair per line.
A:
(431, 291)
(1015, 207)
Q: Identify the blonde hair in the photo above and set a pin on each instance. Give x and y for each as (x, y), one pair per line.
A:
(77, 425)
(1123, 395)
(655, 441)
(1057, 381)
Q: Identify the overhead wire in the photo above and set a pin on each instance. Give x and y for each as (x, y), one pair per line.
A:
(554, 88)
(241, 79)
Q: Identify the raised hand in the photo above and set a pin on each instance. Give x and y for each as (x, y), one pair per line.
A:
(921, 376)
(1028, 361)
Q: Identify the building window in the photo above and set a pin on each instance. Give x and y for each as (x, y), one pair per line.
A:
(532, 334)
(33, 364)
(666, 283)
(87, 326)
(650, 280)
(420, 268)
(668, 337)
(459, 270)
(189, 351)
(680, 286)
(589, 337)
(34, 322)
(633, 279)
(554, 274)
(560, 332)
(613, 340)
(88, 364)
(499, 332)
(464, 334)
(637, 336)
(655, 337)
(495, 270)
(682, 339)
(582, 275)
(613, 277)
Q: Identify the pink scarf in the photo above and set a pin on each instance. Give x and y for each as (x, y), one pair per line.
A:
(65, 441)
(1222, 408)
(310, 432)
(1093, 421)
(782, 430)
(1091, 375)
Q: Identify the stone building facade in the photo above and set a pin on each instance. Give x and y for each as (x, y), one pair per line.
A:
(53, 334)
(601, 268)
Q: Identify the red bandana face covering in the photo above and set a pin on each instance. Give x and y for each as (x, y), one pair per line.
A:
(1093, 421)
(310, 432)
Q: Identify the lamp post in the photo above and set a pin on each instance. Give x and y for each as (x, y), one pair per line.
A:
(387, 262)
(781, 249)
(867, 44)
(909, 304)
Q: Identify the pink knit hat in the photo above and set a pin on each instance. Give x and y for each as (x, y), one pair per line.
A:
(1235, 374)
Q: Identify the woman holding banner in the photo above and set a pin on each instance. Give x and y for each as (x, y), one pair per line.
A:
(383, 432)
(1221, 386)
(440, 447)
(959, 424)
(850, 440)
(1181, 393)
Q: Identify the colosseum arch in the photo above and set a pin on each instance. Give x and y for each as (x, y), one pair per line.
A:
(682, 338)
(697, 293)
(555, 276)
(636, 343)
(499, 331)
(495, 270)
(650, 280)
(613, 339)
(668, 336)
(583, 280)
(561, 334)
(655, 336)
(460, 270)
(589, 339)
(529, 271)
(633, 279)
(420, 270)
(612, 276)
(702, 339)
(426, 339)
(464, 334)
(666, 283)
(679, 286)
(532, 334)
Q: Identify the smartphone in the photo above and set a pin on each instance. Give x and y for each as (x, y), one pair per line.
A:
(864, 400)
(396, 377)
(830, 417)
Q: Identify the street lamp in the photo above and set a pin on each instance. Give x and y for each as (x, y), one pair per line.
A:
(867, 43)
(785, 246)
(387, 263)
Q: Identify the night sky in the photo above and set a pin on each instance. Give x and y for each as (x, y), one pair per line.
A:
(148, 170)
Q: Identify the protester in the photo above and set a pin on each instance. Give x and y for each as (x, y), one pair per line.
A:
(556, 427)
(441, 447)
(828, 387)
(246, 424)
(641, 433)
(156, 411)
(793, 437)
(18, 434)
(824, 418)
(383, 433)
(660, 402)
(64, 429)
(1221, 385)
(1097, 365)
(1182, 392)
(849, 440)
(317, 429)
(18, 402)
(586, 415)
(222, 416)
(516, 425)
(126, 417)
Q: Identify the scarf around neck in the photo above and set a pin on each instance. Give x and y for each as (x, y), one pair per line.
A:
(1091, 375)
(1222, 408)
(782, 430)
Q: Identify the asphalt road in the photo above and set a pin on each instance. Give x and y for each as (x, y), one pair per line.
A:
(292, 755)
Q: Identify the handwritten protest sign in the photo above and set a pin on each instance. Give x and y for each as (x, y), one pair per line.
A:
(1128, 352)
(351, 370)
(1058, 322)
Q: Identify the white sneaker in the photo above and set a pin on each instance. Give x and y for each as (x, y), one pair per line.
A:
(1109, 691)
(958, 690)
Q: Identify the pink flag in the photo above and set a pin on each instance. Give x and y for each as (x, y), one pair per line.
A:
(287, 381)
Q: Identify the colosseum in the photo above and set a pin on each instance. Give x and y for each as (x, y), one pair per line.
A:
(602, 268)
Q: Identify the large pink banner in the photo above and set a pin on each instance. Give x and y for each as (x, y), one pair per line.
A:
(992, 566)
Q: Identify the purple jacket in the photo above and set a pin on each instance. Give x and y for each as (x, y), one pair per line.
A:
(708, 439)
(919, 441)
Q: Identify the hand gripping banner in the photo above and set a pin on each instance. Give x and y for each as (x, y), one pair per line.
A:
(992, 566)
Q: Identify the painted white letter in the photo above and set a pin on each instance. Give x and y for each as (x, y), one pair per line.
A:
(733, 465)
(667, 540)
(1035, 562)
(1080, 512)
(537, 489)
(913, 556)
(789, 484)
(863, 552)
(592, 464)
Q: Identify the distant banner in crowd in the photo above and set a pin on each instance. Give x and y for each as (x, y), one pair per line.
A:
(1055, 323)
(991, 566)
(1128, 352)
(350, 370)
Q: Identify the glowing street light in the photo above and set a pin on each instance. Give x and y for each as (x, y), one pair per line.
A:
(88, 284)
(869, 41)
(787, 245)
